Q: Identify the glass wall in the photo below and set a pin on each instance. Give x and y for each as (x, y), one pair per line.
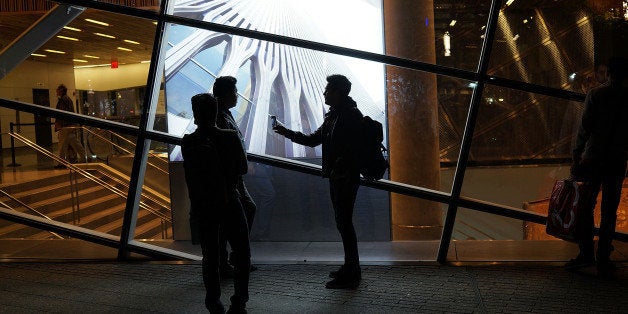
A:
(414, 68)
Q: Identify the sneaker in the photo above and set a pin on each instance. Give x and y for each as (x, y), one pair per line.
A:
(345, 280)
(336, 273)
(579, 262)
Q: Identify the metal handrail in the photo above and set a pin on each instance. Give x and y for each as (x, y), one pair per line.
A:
(88, 175)
(13, 198)
(124, 149)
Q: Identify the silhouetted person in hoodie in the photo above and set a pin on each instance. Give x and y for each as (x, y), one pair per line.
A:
(339, 136)
(599, 159)
(214, 160)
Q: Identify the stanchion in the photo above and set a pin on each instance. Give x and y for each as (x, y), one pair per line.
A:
(13, 163)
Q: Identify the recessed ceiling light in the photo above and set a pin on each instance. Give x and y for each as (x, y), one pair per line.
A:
(131, 42)
(453, 22)
(68, 38)
(72, 28)
(97, 22)
(124, 49)
(55, 51)
(104, 35)
(145, 61)
(37, 55)
(79, 60)
(93, 57)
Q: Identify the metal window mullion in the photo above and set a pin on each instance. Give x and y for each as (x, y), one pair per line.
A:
(465, 148)
(143, 142)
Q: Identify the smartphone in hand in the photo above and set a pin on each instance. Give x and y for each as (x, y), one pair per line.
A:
(273, 120)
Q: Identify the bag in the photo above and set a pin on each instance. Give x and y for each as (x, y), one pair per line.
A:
(569, 200)
(373, 163)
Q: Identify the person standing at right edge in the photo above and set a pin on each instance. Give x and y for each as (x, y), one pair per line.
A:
(599, 158)
(339, 136)
(226, 94)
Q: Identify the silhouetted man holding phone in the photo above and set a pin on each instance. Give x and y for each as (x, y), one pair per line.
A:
(339, 136)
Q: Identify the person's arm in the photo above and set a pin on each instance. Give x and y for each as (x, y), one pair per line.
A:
(310, 140)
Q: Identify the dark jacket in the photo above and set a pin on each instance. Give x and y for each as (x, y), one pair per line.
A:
(603, 132)
(213, 160)
(64, 103)
(339, 135)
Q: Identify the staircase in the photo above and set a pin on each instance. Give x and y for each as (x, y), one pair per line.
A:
(98, 207)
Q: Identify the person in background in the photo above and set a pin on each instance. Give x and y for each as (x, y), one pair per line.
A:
(67, 131)
(599, 159)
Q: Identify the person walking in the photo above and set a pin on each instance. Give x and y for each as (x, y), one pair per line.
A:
(67, 131)
(599, 159)
(226, 94)
(339, 135)
(213, 161)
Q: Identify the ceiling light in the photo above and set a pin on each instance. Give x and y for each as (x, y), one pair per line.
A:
(97, 22)
(79, 60)
(155, 23)
(37, 55)
(447, 44)
(509, 2)
(515, 38)
(92, 66)
(131, 42)
(68, 38)
(104, 35)
(55, 51)
(124, 49)
(72, 28)
(93, 57)
(145, 61)
(525, 21)
(453, 22)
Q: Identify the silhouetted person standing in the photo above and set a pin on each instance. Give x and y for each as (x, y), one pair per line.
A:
(339, 136)
(67, 131)
(600, 158)
(214, 160)
(226, 94)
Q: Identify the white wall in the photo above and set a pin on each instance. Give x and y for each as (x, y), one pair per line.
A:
(19, 85)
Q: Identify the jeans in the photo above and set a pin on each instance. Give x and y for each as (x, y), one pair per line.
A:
(249, 207)
(608, 175)
(343, 191)
(230, 222)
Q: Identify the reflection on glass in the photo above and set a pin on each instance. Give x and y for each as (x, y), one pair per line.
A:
(550, 44)
(152, 5)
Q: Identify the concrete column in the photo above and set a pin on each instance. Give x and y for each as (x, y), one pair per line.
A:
(412, 118)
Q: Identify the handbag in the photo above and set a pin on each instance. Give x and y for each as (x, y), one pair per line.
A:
(570, 199)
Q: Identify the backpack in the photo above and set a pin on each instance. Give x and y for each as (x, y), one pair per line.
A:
(373, 163)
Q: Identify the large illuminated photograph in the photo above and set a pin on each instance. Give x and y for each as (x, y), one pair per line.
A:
(273, 79)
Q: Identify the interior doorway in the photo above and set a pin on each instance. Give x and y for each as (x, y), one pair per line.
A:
(43, 131)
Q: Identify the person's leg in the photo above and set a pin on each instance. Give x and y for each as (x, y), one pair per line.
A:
(237, 232)
(63, 143)
(611, 196)
(343, 193)
(247, 204)
(76, 146)
(211, 276)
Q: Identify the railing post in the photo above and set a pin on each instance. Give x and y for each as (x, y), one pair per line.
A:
(13, 163)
